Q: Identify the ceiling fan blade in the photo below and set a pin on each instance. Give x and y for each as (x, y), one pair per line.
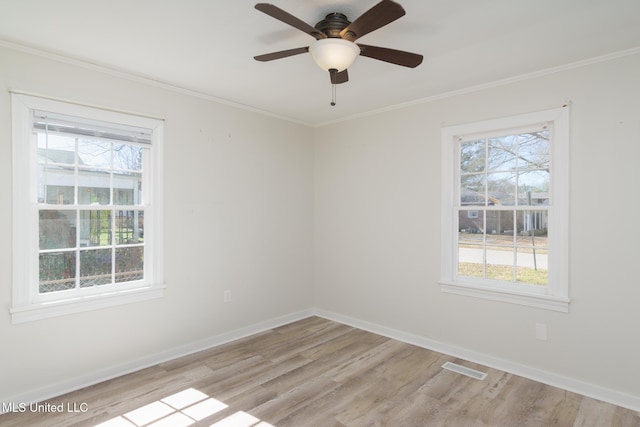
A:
(281, 54)
(398, 57)
(340, 77)
(378, 16)
(287, 18)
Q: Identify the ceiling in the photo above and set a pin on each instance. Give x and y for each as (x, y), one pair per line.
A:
(208, 46)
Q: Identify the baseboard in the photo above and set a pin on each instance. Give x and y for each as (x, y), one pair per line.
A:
(570, 384)
(58, 389)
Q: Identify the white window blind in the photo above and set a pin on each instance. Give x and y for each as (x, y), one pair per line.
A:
(55, 123)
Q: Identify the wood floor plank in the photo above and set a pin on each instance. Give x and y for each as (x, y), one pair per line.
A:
(316, 372)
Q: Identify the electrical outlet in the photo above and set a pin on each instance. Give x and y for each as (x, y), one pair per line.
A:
(541, 331)
(227, 295)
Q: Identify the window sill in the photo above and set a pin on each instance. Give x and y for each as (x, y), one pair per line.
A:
(45, 310)
(546, 302)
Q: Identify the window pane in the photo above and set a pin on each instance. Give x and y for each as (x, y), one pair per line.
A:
(535, 182)
(129, 264)
(499, 225)
(502, 153)
(59, 195)
(56, 149)
(57, 271)
(533, 198)
(500, 263)
(472, 190)
(472, 156)
(533, 222)
(129, 227)
(95, 228)
(127, 189)
(95, 267)
(55, 175)
(534, 150)
(127, 157)
(94, 153)
(471, 225)
(470, 260)
(56, 184)
(57, 229)
(501, 188)
(532, 266)
(93, 187)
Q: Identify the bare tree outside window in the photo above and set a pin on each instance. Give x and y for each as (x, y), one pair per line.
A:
(502, 221)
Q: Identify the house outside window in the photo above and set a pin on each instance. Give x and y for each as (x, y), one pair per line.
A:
(87, 207)
(505, 209)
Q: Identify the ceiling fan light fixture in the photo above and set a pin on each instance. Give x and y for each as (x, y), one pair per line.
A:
(334, 53)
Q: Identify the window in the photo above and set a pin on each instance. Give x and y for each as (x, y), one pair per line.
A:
(505, 209)
(87, 207)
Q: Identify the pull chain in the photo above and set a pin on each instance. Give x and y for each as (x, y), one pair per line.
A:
(333, 94)
(334, 76)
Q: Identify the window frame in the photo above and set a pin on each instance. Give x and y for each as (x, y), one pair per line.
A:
(27, 302)
(555, 296)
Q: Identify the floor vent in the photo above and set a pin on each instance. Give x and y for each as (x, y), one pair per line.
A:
(464, 371)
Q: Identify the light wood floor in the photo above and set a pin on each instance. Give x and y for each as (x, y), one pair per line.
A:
(316, 372)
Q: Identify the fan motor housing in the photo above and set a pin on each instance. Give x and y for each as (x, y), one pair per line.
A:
(332, 24)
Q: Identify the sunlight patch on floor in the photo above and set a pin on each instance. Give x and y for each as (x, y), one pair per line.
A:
(180, 410)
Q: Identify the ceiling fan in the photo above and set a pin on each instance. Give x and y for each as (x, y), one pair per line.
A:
(335, 49)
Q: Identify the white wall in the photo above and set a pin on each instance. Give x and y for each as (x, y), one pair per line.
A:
(238, 216)
(377, 227)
